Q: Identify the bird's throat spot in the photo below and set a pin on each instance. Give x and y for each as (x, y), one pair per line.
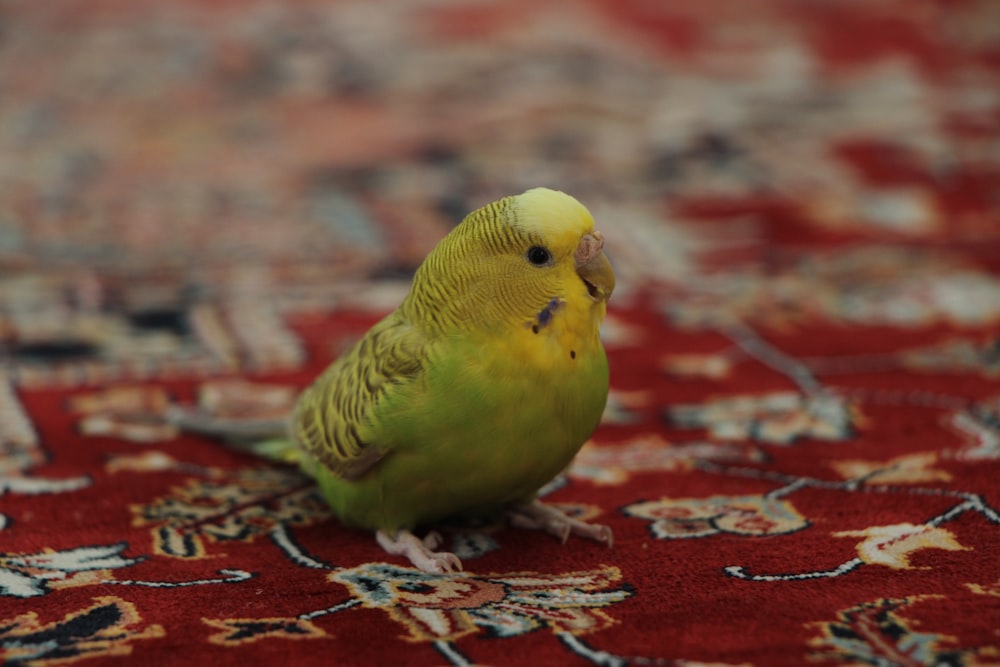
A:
(544, 316)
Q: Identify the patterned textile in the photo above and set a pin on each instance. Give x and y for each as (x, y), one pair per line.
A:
(203, 202)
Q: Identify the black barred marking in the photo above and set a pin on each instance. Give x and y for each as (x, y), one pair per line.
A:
(447, 280)
(334, 417)
(357, 438)
(341, 452)
(432, 315)
(572, 354)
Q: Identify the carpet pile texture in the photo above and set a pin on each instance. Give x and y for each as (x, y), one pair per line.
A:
(204, 202)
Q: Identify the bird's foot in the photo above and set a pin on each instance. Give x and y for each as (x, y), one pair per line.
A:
(538, 516)
(420, 552)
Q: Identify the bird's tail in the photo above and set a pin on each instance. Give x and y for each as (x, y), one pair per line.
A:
(266, 438)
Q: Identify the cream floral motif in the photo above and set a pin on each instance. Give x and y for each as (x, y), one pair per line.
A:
(33, 574)
(907, 469)
(448, 607)
(673, 518)
(614, 464)
(992, 590)
(778, 418)
(980, 356)
(236, 505)
(892, 546)
(979, 426)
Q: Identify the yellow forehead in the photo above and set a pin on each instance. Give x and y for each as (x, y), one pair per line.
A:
(554, 216)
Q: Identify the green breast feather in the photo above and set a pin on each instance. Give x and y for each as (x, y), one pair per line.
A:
(471, 434)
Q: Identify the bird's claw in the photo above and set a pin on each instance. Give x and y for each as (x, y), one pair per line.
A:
(538, 516)
(420, 552)
(433, 540)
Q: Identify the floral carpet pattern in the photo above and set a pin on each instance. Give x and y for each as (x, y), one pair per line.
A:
(204, 202)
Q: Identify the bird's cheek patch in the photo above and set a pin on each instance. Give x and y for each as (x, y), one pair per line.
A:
(544, 316)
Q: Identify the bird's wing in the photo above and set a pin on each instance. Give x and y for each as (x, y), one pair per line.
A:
(337, 418)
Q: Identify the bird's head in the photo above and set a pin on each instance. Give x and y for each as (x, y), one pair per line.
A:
(507, 260)
(563, 244)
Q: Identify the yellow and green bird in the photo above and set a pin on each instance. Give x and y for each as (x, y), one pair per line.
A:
(477, 390)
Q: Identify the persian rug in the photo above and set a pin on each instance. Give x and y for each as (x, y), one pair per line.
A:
(204, 202)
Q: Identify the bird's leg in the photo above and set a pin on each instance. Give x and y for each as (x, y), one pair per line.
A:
(536, 515)
(420, 552)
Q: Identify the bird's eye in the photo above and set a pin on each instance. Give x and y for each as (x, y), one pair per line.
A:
(538, 255)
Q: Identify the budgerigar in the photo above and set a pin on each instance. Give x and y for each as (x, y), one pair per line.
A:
(477, 390)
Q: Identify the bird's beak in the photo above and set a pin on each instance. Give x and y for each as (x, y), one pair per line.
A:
(593, 267)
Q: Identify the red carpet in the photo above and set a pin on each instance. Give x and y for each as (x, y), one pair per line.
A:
(206, 201)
